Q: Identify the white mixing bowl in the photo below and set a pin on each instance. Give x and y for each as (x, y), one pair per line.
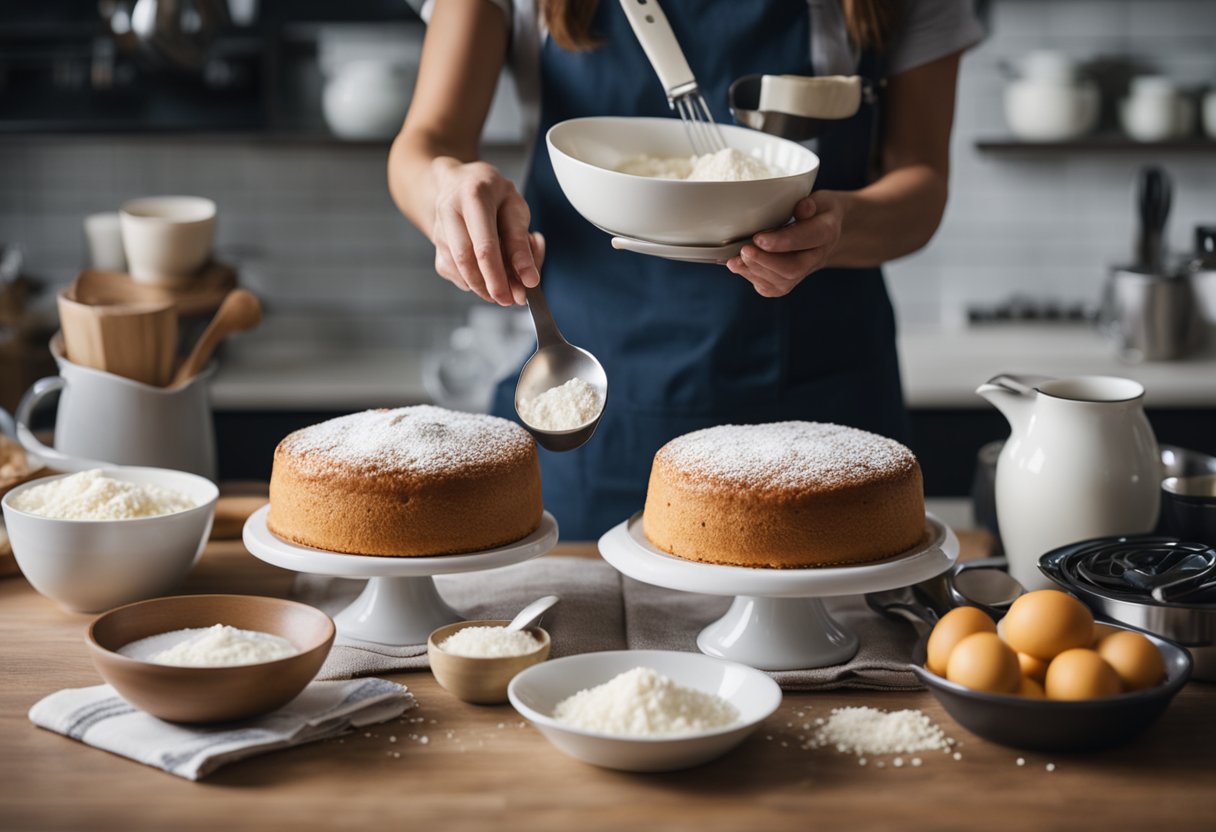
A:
(93, 565)
(585, 151)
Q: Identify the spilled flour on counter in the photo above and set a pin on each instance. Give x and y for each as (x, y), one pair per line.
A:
(644, 703)
(565, 407)
(726, 165)
(859, 731)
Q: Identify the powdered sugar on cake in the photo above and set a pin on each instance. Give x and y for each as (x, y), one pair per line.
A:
(422, 439)
(786, 455)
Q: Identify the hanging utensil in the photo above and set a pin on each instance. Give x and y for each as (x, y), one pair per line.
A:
(1154, 196)
(683, 95)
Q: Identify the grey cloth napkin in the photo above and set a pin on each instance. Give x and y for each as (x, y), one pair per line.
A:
(99, 717)
(601, 610)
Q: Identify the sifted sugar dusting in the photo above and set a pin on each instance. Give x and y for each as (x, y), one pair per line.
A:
(421, 439)
(786, 455)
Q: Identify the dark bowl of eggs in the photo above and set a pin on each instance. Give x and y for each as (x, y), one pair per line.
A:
(1049, 678)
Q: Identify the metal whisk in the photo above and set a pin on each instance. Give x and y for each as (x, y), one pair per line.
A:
(683, 95)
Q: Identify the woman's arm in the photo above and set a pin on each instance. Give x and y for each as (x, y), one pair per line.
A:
(893, 216)
(471, 212)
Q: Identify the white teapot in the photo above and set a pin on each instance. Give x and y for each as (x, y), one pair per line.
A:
(1081, 462)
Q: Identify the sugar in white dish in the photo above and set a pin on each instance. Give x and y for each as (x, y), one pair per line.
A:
(565, 407)
(644, 703)
(489, 643)
(215, 646)
(726, 165)
(90, 495)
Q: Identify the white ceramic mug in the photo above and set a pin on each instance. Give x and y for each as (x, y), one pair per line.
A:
(167, 239)
(1155, 110)
(104, 419)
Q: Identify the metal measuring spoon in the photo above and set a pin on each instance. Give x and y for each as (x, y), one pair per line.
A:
(555, 362)
(529, 615)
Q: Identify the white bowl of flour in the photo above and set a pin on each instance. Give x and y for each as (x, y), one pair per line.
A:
(98, 539)
(588, 155)
(644, 710)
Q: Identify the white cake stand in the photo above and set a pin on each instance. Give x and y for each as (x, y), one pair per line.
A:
(777, 620)
(400, 604)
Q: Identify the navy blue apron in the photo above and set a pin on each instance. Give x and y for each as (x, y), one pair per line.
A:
(688, 346)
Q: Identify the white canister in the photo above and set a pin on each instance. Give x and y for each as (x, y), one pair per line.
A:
(1155, 110)
(367, 99)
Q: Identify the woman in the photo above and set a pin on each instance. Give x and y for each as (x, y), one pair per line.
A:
(799, 325)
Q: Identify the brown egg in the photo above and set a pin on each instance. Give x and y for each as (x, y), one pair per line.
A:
(1032, 668)
(1081, 673)
(953, 627)
(1101, 631)
(1136, 660)
(1031, 689)
(1044, 624)
(983, 662)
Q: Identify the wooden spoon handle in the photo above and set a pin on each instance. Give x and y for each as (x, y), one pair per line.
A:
(239, 311)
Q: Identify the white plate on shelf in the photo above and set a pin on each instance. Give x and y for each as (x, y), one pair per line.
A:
(536, 691)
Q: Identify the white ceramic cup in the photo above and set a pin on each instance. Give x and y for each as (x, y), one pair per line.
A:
(1155, 110)
(167, 239)
(103, 231)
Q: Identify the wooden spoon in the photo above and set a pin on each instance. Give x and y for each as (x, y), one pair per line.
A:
(239, 311)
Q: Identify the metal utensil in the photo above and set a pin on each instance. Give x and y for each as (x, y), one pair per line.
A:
(794, 107)
(529, 615)
(1154, 196)
(683, 95)
(555, 362)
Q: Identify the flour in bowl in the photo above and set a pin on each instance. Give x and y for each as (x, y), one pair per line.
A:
(490, 643)
(216, 646)
(565, 407)
(90, 495)
(726, 165)
(644, 703)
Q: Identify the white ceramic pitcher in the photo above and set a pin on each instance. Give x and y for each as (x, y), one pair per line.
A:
(105, 419)
(1081, 462)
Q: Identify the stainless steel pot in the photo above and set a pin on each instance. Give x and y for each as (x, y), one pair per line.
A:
(1151, 316)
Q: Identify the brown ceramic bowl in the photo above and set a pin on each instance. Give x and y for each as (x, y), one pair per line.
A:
(480, 681)
(210, 694)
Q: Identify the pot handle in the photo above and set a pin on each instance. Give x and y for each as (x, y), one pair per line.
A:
(42, 388)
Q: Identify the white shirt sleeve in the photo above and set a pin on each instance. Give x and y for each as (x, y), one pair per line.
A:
(932, 29)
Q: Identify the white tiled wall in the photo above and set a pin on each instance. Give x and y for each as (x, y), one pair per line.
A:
(312, 226)
(1049, 224)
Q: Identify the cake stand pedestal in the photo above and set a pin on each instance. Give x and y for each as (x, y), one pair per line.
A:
(400, 604)
(777, 620)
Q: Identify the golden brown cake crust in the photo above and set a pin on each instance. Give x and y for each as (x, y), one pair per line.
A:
(784, 495)
(410, 482)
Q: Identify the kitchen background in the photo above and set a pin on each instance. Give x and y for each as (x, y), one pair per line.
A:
(357, 318)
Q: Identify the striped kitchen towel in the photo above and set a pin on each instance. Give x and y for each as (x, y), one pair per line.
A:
(99, 717)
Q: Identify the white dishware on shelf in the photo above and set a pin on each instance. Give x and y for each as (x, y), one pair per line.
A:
(167, 239)
(1049, 102)
(1155, 110)
(400, 604)
(535, 693)
(103, 418)
(1081, 462)
(586, 151)
(94, 565)
(777, 620)
(367, 99)
(103, 233)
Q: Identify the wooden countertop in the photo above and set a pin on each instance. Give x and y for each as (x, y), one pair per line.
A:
(481, 768)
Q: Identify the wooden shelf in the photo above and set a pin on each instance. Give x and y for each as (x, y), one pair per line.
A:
(1100, 143)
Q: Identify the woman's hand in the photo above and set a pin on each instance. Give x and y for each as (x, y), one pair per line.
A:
(777, 260)
(481, 237)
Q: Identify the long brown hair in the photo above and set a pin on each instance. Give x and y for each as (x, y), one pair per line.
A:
(871, 23)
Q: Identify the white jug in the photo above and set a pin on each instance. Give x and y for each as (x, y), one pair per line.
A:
(105, 419)
(1081, 462)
